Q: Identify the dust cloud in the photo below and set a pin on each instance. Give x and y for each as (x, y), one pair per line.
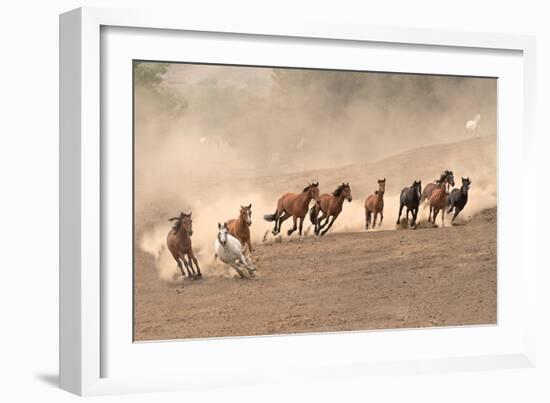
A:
(211, 138)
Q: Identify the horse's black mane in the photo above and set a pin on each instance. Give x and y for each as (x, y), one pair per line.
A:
(338, 191)
(177, 225)
(443, 176)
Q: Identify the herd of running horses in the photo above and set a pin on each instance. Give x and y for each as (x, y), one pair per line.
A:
(234, 235)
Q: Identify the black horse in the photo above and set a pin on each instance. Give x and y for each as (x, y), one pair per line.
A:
(459, 197)
(410, 197)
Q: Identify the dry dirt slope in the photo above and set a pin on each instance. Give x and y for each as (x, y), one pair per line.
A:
(343, 281)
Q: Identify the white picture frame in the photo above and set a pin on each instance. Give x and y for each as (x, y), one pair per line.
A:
(93, 347)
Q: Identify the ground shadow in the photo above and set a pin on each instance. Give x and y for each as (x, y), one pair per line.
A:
(49, 379)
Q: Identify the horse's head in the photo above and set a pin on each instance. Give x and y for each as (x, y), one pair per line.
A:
(347, 192)
(381, 185)
(187, 223)
(343, 190)
(246, 214)
(449, 178)
(417, 189)
(313, 190)
(466, 182)
(183, 221)
(222, 234)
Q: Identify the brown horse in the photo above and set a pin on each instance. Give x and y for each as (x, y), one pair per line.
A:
(295, 206)
(447, 177)
(331, 206)
(239, 227)
(374, 205)
(438, 201)
(179, 244)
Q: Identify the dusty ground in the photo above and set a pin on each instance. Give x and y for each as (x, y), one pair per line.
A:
(343, 281)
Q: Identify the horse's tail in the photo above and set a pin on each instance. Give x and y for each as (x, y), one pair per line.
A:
(313, 215)
(270, 217)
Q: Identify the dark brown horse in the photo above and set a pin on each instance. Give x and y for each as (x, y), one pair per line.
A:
(331, 207)
(446, 177)
(295, 206)
(374, 205)
(179, 244)
(239, 227)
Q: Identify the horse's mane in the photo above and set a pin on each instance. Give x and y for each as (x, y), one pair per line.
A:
(338, 191)
(177, 225)
(308, 186)
(443, 176)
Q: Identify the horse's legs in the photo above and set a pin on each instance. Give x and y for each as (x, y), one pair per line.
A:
(318, 226)
(246, 263)
(436, 212)
(330, 225)
(414, 214)
(408, 210)
(277, 224)
(374, 214)
(381, 218)
(182, 259)
(196, 262)
(300, 225)
(367, 219)
(249, 243)
(400, 211)
(430, 215)
(294, 226)
(237, 269)
(181, 267)
(278, 221)
(457, 210)
(451, 207)
(443, 217)
(321, 226)
(190, 263)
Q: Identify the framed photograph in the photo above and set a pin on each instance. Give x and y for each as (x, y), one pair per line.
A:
(253, 202)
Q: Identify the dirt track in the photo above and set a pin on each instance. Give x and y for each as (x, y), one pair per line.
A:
(343, 281)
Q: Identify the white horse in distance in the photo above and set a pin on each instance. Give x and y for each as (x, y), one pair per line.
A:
(229, 250)
(471, 125)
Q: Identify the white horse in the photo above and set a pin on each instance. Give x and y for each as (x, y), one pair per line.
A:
(471, 125)
(229, 250)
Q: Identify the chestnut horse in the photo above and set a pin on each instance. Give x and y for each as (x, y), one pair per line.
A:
(375, 205)
(295, 206)
(447, 177)
(239, 227)
(179, 244)
(438, 201)
(331, 206)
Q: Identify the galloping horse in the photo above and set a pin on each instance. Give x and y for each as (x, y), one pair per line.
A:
(229, 250)
(179, 244)
(331, 206)
(446, 177)
(295, 206)
(410, 197)
(375, 205)
(438, 201)
(239, 228)
(459, 197)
